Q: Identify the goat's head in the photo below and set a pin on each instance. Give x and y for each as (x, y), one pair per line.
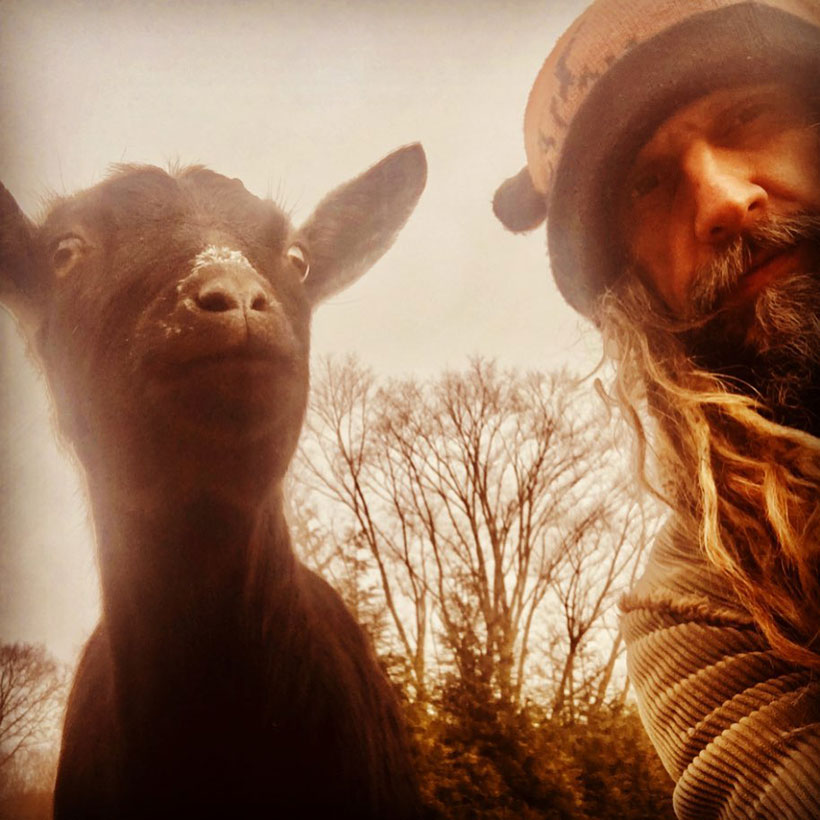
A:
(171, 313)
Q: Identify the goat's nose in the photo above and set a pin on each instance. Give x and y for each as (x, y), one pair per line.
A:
(228, 291)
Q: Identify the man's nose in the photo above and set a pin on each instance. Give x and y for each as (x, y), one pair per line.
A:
(727, 201)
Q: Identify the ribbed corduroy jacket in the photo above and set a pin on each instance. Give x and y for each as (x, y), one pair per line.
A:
(737, 727)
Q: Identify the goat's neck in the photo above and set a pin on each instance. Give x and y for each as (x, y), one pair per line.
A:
(184, 575)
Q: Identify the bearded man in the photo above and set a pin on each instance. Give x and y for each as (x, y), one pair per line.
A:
(674, 149)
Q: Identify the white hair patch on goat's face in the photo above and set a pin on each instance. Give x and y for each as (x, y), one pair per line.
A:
(220, 255)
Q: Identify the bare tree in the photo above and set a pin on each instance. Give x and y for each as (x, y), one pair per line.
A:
(32, 696)
(486, 504)
(603, 549)
(341, 457)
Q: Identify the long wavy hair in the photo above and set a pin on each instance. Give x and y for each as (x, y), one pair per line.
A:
(745, 486)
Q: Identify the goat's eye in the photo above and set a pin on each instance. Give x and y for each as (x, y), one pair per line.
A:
(66, 253)
(297, 256)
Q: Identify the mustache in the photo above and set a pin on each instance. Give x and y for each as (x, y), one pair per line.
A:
(716, 280)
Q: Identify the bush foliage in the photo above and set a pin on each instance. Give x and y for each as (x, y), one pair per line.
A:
(479, 759)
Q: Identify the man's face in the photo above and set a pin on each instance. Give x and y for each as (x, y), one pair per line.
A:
(721, 214)
(719, 169)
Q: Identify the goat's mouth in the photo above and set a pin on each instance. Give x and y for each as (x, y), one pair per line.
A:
(243, 361)
(231, 372)
(233, 369)
(183, 353)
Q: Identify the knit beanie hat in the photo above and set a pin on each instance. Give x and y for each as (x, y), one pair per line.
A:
(620, 70)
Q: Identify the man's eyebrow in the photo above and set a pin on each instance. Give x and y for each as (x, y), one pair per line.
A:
(778, 96)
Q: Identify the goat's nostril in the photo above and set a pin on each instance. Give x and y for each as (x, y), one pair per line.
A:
(259, 302)
(216, 300)
(223, 295)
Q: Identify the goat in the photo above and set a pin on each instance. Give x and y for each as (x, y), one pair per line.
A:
(171, 313)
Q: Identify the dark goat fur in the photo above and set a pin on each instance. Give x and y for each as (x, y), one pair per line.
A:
(171, 317)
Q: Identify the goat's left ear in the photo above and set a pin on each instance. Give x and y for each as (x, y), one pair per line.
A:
(357, 222)
(19, 283)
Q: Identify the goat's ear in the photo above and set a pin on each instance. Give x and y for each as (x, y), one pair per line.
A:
(357, 222)
(18, 260)
(518, 206)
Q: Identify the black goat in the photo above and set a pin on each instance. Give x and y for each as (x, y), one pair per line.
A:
(171, 315)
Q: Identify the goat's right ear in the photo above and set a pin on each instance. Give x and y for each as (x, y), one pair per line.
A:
(18, 261)
(356, 223)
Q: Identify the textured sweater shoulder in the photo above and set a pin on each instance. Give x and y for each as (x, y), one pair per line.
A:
(737, 727)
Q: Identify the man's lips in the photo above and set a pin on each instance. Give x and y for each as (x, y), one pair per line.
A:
(767, 266)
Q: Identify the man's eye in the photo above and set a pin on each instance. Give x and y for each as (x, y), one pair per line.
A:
(746, 120)
(749, 113)
(645, 184)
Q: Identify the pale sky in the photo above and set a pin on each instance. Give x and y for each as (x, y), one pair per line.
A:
(293, 98)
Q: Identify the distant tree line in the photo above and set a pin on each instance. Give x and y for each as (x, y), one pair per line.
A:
(481, 526)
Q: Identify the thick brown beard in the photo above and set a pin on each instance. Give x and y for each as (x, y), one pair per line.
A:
(744, 484)
(772, 352)
(769, 348)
